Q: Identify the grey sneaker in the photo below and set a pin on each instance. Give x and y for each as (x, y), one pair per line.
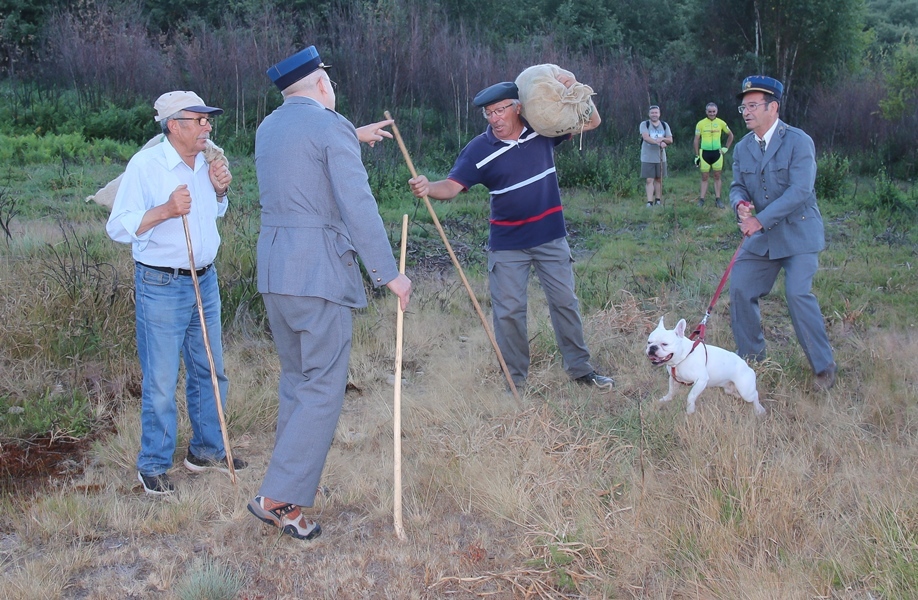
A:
(156, 485)
(287, 517)
(718, 203)
(199, 465)
(701, 202)
(594, 378)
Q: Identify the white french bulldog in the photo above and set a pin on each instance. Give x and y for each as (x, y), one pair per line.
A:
(700, 366)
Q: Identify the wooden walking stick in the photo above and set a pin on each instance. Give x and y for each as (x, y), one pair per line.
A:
(662, 162)
(452, 255)
(397, 405)
(210, 353)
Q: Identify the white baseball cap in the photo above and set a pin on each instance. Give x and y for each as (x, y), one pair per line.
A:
(172, 102)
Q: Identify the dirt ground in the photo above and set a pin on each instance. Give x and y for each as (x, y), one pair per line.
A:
(27, 465)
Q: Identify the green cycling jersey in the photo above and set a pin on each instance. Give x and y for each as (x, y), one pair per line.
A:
(710, 132)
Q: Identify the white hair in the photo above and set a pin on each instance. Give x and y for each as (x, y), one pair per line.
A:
(306, 84)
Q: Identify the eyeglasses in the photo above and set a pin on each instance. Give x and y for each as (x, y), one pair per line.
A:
(202, 121)
(497, 112)
(333, 84)
(750, 107)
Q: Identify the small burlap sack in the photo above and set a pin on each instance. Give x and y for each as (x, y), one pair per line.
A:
(551, 108)
(106, 196)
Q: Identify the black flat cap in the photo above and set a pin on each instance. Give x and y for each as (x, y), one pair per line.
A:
(505, 90)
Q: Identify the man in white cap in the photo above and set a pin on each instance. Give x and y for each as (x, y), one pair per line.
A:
(527, 232)
(317, 216)
(774, 174)
(161, 185)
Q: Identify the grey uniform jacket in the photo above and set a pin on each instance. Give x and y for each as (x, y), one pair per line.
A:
(781, 185)
(317, 210)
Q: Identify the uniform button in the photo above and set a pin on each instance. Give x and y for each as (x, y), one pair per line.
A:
(378, 279)
(350, 264)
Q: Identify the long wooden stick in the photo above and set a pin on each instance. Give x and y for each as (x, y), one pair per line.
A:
(452, 255)
(210, 353)
(662, 198)
(397, 409)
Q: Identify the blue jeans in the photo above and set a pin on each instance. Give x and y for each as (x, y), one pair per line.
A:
(168, 327)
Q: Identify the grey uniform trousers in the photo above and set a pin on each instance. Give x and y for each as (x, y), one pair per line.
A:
(752, 277)
(509, 279)
(313, 340)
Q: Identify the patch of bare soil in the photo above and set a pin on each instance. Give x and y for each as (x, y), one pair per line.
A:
(27, 465)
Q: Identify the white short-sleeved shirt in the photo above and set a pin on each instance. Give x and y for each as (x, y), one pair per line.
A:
(151, 176)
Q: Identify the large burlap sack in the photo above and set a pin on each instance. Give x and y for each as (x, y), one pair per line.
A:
(106, 196)
(551, 108)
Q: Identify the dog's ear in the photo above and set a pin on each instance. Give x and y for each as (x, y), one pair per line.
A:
(660, 324)
(680, 328)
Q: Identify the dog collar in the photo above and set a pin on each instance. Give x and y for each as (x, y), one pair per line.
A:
(673, 367)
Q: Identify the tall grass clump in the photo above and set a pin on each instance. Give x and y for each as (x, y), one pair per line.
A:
(210, 580)
(68, 328)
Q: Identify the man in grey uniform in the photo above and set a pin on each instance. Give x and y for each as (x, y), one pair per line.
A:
(317, 215)
(774, 169)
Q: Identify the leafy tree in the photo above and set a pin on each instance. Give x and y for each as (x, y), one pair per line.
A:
(578, 24)
(809, 41)
(650, 29)
(902, 85)
(583, 25)
(891, 22)
(20, 23)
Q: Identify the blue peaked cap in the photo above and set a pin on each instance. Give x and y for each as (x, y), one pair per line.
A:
(293, 68)
(761, 83)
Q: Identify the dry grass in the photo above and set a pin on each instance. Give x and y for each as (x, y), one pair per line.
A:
(572, 494)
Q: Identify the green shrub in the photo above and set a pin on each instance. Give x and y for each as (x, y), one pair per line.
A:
(832, 170)
(133, 124)
(596, 170)
(54, 412)
(35, 149)
(889, 200)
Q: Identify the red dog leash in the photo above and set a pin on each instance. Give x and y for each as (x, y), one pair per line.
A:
(700, 329)
(698, 334)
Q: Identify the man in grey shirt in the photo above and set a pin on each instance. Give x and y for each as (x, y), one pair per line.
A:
(655, 136)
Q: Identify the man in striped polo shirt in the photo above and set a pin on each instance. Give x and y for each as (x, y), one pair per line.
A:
(527, 231)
